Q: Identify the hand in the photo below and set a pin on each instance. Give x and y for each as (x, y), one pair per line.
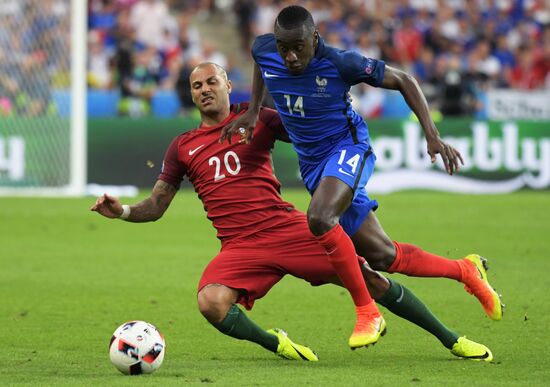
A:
(449, 154)
(244, 126)
(107, 206)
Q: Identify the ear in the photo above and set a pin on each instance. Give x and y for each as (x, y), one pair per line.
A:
(315, 38)
(229, 87)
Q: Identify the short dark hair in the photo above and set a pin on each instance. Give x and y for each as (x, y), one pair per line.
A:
(294, 16)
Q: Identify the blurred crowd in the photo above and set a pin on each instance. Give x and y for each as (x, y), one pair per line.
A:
(142, 46)
(457, 49)
(34, 55)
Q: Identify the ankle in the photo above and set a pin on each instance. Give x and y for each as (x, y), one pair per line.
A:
(370, 308)
(465, 267)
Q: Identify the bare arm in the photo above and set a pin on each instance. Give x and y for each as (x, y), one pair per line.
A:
(408, 86)
(248, 120)
(258, 90)
(147, 210)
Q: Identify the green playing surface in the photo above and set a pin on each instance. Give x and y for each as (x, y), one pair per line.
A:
(69, 277)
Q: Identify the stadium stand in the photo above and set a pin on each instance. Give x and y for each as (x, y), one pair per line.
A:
(140, 51)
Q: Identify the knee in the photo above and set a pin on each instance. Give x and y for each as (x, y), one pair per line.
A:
(320, 221)
(382, 258)
(213, 303)
(377, 284)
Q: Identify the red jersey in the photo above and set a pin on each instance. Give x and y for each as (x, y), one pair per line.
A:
(234, 181)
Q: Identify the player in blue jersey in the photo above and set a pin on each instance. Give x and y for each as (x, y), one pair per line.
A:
(309, 83)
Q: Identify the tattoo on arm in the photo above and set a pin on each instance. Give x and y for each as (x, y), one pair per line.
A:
(155, 205)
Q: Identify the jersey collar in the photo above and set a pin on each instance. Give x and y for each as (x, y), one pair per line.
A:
(234, 110)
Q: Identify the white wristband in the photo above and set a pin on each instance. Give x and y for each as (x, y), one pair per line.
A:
(125, 212)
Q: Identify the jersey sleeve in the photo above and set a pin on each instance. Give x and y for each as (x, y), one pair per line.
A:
(172, 171)
(354, 68)
(262, 44)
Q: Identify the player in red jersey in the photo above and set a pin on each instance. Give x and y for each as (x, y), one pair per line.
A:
(245, 270)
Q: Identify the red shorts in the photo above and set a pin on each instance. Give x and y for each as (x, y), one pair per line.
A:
(254, 264)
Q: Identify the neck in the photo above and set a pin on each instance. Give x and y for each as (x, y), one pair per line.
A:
(214, 118)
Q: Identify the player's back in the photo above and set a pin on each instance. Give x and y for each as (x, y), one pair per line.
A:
(315, 105)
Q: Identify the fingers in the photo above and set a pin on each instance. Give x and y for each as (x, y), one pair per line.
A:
(445, 159)
(455, 158)
(223, 134)
(249, 134)
(109, 199)
(102, 201)
(246, 135)
(452, 159)
(227, 132)
(459, 157)
(98, 203)
(243, 126)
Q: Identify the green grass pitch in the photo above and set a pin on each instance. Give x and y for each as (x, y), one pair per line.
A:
(69, 277)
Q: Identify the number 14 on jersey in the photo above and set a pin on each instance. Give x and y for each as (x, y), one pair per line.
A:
(297, 107)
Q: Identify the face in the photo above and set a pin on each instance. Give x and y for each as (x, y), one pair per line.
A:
(296, 47)
(209, 89)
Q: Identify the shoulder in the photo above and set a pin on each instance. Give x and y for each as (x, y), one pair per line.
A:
(267, 115)
(239, 107)
(182, 139)
(271, 119)
(185, 136)
(354, 67)
(263, 43)
(342, 59)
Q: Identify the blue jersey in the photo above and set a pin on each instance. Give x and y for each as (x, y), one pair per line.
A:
(314, 106)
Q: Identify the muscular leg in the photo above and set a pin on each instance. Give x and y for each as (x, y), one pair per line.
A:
(394, 257)
(217, 305)
(215, 301)
(373, 243)
(331, 198)
(402, 302)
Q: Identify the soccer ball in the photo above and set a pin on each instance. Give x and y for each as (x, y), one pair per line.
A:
(137, 347)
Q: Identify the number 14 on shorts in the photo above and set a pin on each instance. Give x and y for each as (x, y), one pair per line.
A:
(350, 162)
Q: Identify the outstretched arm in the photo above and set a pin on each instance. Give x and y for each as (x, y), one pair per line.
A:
(408, 86)
(147, 210)
(244, 125)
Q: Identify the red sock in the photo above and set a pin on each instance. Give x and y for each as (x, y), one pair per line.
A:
(342, 256)
(415, 262)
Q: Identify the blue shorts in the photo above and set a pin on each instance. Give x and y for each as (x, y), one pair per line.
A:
(353, 164)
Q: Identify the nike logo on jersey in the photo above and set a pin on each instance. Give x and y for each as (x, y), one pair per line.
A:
(344, 172)
(267, 75)
(192, 151)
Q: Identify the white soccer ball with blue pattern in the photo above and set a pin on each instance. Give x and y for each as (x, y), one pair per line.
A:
(137, 347)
